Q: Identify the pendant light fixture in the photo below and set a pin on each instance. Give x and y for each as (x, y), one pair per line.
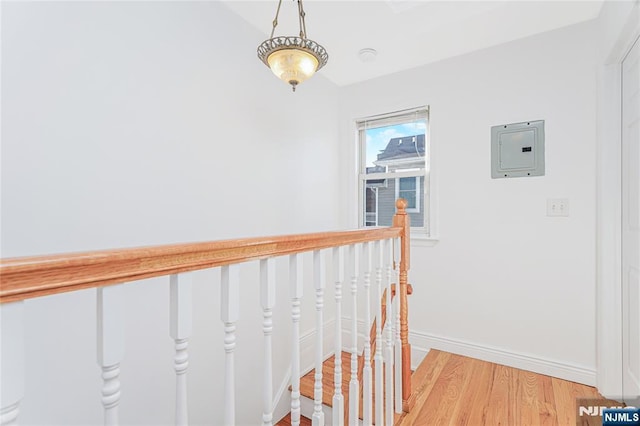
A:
(293, 59)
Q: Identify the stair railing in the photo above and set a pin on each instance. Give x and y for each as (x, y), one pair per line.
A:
(381, 251)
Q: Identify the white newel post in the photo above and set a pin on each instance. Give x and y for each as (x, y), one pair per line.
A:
(296, 290)
(12, 361)
(318, 281)
(230, 298)
(267, 300)
(397, 341)
(180, 323)
(110, 321)
(354, 384)
(388, 338)
(366, 372)
(338, 398)
(379, 401)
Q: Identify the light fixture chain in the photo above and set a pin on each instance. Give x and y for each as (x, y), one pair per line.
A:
(303, 25)
(275, 20)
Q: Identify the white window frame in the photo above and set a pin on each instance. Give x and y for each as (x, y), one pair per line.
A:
(418, 194)
(426, 232)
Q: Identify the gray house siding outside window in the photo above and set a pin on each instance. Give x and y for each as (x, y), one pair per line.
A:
(386, 203)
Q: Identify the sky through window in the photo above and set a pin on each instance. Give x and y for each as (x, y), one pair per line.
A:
(379, 137)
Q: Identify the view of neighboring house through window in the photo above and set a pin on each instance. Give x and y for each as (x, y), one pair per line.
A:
(394, 164)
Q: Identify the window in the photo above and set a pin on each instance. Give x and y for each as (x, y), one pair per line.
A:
(394, 163)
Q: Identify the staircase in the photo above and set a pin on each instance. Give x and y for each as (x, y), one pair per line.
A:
(306, 393)
(328, 385)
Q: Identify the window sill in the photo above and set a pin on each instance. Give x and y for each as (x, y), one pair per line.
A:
(419, 239)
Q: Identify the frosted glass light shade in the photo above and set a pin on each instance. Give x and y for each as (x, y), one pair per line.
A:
(292, 59)
(292, 66)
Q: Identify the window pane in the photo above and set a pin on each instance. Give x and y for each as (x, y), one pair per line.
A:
(410, 196)
(408, 191)
(397, 147)
(379, 200)
(407, 184)
(371, 202)
(373, 215)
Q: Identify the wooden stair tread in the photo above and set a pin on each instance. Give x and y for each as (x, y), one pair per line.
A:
(308, 380)
(286, 421)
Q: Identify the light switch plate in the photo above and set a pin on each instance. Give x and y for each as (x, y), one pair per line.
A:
(558, 207)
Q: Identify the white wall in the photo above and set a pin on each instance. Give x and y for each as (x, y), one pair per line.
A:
(616, 24)
(140, 123)
(505, 282)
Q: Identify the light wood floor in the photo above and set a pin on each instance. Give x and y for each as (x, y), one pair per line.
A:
(456, 390)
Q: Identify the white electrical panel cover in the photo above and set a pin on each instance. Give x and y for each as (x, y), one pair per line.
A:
(517, 149)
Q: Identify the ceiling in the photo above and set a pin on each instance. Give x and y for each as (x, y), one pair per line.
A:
(408, 33)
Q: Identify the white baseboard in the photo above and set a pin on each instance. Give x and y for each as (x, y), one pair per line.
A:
(417, 354)
(422, 342)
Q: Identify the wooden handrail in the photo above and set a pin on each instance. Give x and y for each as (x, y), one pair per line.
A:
(28, 277)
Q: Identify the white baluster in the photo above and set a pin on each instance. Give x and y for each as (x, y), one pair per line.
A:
(396, 329)
(388, 337)
(338, 398)
(318, 281)
(110, 321)
(354, 384)
(268, 300)
(295, 277)
(180, 331)
(12, 365)
(230, 297)
(379, 400)
(366, 372)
